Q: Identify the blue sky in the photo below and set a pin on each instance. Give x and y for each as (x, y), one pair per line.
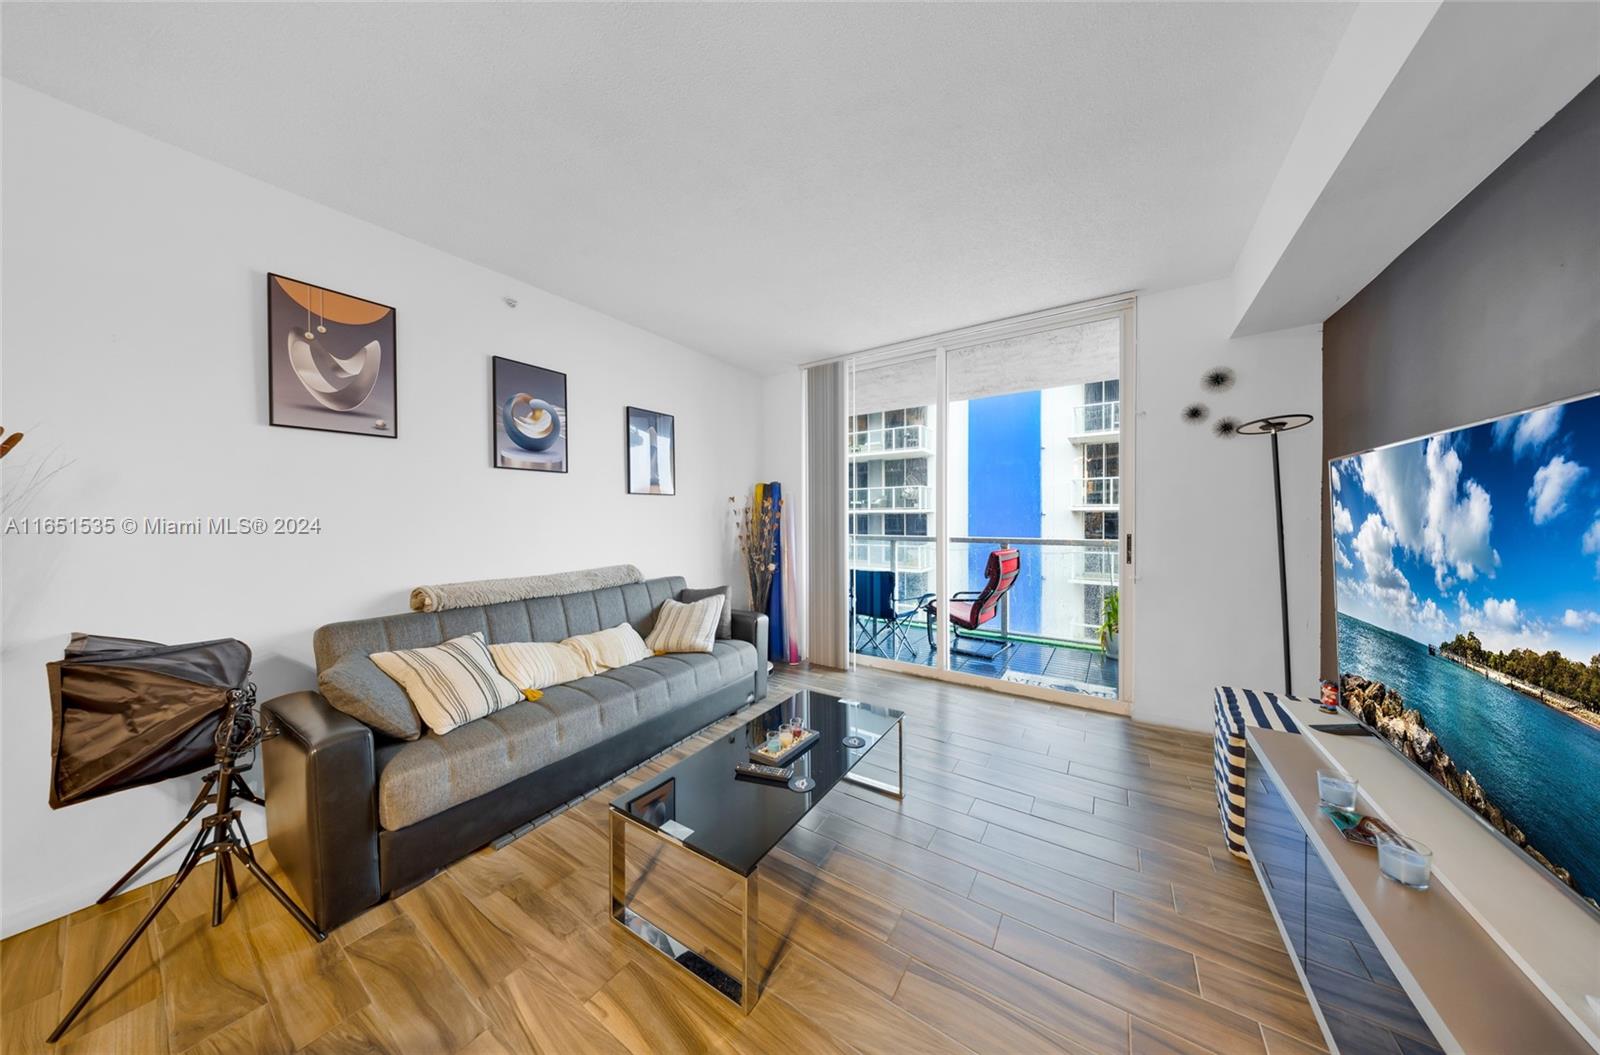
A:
(1493, 529)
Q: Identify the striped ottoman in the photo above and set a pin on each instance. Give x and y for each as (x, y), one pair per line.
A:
(1236, 709)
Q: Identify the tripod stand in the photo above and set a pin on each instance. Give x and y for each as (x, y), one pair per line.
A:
(221, 837)
(205, 798)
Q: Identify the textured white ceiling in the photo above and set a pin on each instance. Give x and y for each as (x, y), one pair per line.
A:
(768, 182)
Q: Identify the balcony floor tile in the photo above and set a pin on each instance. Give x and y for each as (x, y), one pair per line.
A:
(1050, 666)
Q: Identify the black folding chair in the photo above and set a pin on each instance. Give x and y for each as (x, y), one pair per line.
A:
(880, 615)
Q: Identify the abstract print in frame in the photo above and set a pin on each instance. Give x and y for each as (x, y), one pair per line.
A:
(652, 453)
(330, 360)
(528, 415)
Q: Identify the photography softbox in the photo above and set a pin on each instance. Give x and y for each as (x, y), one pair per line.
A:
(128, 712)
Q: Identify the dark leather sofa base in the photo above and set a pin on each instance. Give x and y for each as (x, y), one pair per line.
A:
(411, 854)
(322, 792)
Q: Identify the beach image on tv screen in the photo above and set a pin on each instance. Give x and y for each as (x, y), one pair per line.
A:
(1467, 572)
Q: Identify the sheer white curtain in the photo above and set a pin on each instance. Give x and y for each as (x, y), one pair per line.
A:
(825, 515)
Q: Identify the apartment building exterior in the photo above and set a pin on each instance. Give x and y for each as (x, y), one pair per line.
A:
(891, 497)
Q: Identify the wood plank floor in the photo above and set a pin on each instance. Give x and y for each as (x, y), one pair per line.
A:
(1054, 881)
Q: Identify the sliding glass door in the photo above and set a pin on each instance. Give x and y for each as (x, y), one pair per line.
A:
(893, 506)
(988, 504)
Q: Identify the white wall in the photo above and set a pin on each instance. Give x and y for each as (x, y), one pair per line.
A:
(133, 344)
(1207, 610)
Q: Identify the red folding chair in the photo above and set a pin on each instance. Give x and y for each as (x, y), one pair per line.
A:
(970, 609)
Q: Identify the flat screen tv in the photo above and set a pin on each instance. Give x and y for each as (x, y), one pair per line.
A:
(1467, 575)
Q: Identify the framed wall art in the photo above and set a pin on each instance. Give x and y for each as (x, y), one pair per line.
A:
(331, 360)
(528, 415)
(651, 450)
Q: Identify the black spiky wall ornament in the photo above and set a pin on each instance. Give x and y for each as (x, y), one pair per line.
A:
(1225, 427)
(1218, 379)
(1195, 413)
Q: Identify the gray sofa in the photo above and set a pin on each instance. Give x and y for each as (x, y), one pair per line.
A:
(363, 802)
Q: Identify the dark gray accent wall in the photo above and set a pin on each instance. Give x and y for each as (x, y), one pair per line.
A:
(1495, 309)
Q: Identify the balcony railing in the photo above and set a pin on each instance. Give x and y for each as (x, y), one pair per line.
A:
(1097, 417)
(1094, 562)
(896, 553)
(1057, 613)
(912, 497)
(898, 438)
(1099, 491)
(1048, 603)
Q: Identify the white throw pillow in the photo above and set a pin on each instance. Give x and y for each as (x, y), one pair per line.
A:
(449, 684)
(534, 665)
(686, 627)
(608, 649)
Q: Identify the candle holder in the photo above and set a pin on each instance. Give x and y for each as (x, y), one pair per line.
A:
(1405, 861)
(1336, 790)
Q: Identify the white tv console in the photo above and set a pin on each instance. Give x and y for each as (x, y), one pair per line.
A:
(1495, 958)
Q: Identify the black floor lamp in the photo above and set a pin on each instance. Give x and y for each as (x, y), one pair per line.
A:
(1272, 426)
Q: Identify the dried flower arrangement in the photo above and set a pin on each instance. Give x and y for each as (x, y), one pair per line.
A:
(25, 475)
(757, 528)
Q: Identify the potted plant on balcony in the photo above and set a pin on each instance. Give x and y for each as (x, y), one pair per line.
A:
(1110, 623)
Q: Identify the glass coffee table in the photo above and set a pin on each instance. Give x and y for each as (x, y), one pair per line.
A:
(701, 805)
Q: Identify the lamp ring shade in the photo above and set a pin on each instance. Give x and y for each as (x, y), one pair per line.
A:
(1275, 423)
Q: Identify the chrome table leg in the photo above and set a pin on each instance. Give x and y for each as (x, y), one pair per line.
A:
(743, 991)
(898, 788)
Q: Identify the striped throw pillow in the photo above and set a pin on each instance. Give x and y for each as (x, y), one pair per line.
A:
(608, 649)
(449, 684)
(686, 627)
(688, 595)
(534, 665)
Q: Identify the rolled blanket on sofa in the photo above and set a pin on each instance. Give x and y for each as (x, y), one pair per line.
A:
(496, 591)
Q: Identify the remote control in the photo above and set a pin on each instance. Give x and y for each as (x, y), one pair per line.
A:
(1343, 729)
(778, 774)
